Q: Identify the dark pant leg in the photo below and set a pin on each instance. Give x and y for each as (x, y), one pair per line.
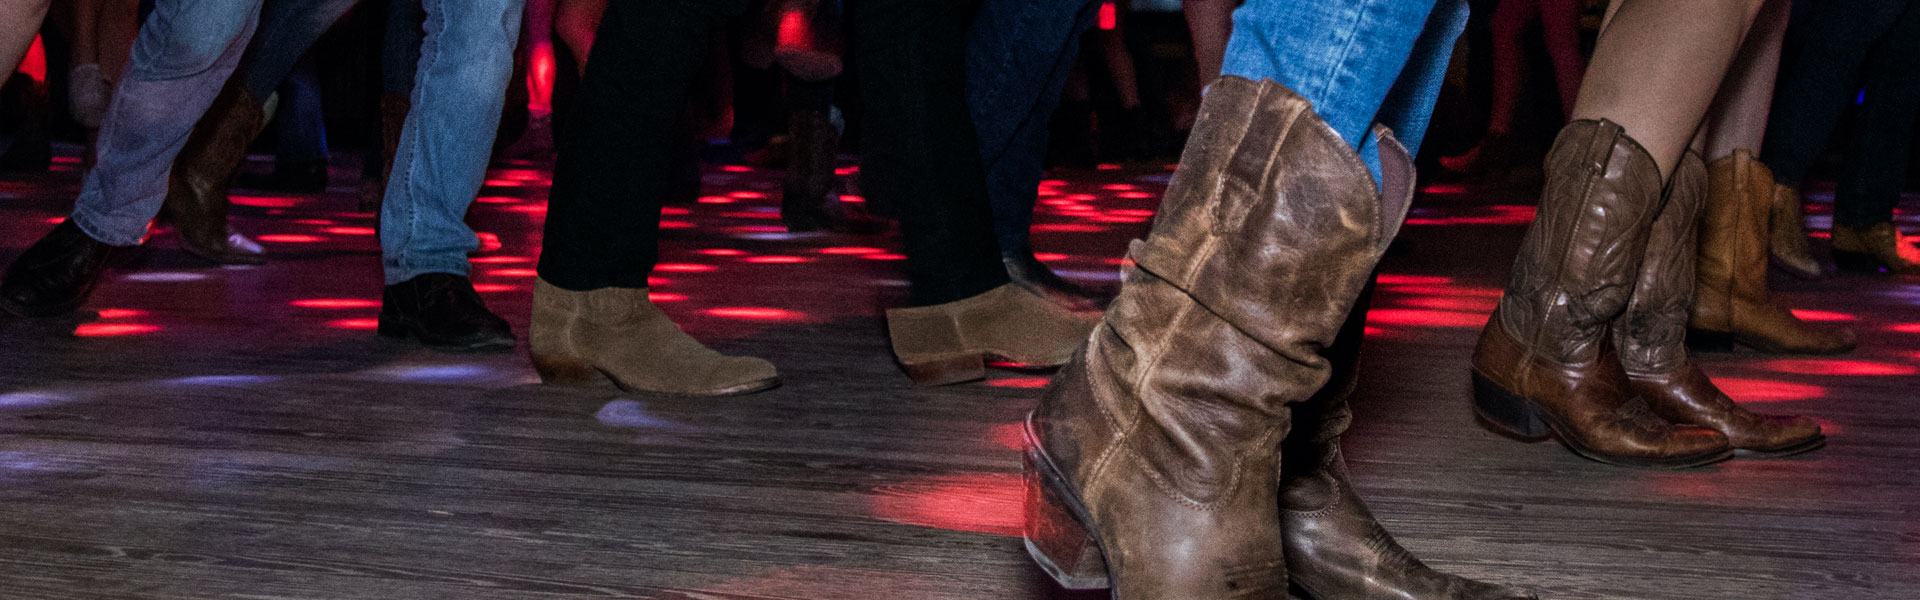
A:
(1877, 154)
(603, 215)
(301, 125)
(1819, 73)
(921, 155)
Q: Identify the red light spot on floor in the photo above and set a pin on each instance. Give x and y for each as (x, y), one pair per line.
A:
(262, 201)
(776, 260)
(351, 230)
(120, 313)
(748, 214)
(852, 199)
(1822, 315)
(716, 200)
(676, 225)
(844, 171)
(850, 250)
(1050, 256)
(1445, 188)
(756, 313)
(1081, 198)
(665, 297)
(683, 268)
(1107, 167)
(503, 183)
(1905, 328)
(1425, 318)
(1767, 390)
(335, 303)
(1462, 304)
(658, 281)
(113, 329)
(746, 195)
(1372, 331)
(1068, 228)
(1020, 382)
(1131, 212)
(757, 229)
(354, 323)
(884, 256)
(514, 273)
(987, 503)
(288, 238)
(492, 288)
(675, 211)
(1449, 290)
(488, 241)
(499, 260)
(1814, 366)
(1134, 195)
(723, 252)
(531, 209)
(56, 220)
(1009, 435)
(736, 169)
(1396, 279)
(497, 200)
(1117, 187)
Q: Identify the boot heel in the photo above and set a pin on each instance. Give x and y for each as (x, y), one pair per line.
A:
(1057, 539)
(566, 371)
(946, 370)
(1855, 262)
(1702, 340)
(1506, 412)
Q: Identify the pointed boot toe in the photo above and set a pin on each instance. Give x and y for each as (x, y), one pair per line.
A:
(953, 342)
(618, 335)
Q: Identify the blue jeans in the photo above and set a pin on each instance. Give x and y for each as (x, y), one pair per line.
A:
(1019, 53)
(458, 92)
(1359, 62)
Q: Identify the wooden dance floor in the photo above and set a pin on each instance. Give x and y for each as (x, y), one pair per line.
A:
(204, 432)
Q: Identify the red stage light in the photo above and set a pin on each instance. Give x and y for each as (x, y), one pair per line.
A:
(351, 230)
(120, 313)
(336, 303)
(716, 200)
(1068, 228)
(1812, 366)
(1108, 166)
(987, 503)
(1425, 318)
(745, 195)
(755, 313)
(658, 281)
(1134, 195)
(736, 169)
(514, 273)
(498, 260)
(497, 200)
(1025, 383)
(1396, 279)
(723, 252)
(491, 288)
(852, 199)
(354, 323)
(1449, 290)
(884, 256)
(113, 329)
(674, 211)
(1905, 328)
(683, 268)
(850, 250)
(1050, 256)
(1117, 187)
(665, 297)
(1767, 390)
(262, 201)
(1009, 435)
(1459, 303)
(1822, 315)
(776, 260)
(676, 224)
(286, 238)
(1131, 212)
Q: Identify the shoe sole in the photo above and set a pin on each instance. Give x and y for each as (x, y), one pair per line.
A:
(1520, 418)
(1791, 450)
(576, 373)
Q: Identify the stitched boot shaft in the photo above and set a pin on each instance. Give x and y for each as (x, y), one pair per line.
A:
(1651, 334)
(1544, 363)
(197, 193)
(1164, 433)
(1733, 304)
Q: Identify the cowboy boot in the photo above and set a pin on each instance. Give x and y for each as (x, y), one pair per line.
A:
(1543, 363)
(1787, 234)
(1152, 464)
(1651, 335)
(617, 334)
(197, 194)
(1732, 304)
(1873, 249)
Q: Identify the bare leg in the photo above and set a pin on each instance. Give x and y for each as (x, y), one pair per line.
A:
(1739, 117)
(1209, 22)
(1657, 67)
(19, 24)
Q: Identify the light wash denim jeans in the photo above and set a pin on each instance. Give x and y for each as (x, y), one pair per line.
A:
(1019, 53)
(1359, 62)
(458, 92)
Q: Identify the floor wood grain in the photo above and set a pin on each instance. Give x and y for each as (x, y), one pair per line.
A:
(240, 433)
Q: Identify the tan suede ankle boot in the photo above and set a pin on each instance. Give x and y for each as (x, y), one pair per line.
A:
(952, 342)
(579, 337)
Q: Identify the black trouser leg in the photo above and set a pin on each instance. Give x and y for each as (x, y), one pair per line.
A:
(614, 168)
(1819, 74)
(1877, 154)
(921, 156)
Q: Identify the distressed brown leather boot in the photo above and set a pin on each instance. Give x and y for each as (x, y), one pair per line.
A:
(1732, 303)
(1335, 548)
(1544, 364)
(1651, 335)
(1787, 234)
(951, 343)
(1154, 455)
(197, 194)
(579, 338)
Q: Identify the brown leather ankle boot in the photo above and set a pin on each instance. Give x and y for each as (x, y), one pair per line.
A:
(951, 343)
(1153, 461)
(1732, 304)
(1335, 548)
(1651, 334)
(1873, 249)
(1787, 234)
(1544, 364)
(618, 334)
(197, 195)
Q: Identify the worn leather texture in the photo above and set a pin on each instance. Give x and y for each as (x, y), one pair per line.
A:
(1732, 295)
(197, 193)
(1167, 426)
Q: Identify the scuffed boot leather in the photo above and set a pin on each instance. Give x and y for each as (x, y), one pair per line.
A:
(1544, 363)
(579, 337)
(1651, 335)
(197, 194)
(1154, 456)
(1733, 305)
(56, 274)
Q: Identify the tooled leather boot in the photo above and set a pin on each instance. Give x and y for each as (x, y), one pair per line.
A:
(197, 194)
(1153, 457)
(1335, 548)
(1651, 335)
(1544, 364)
(1732, 304)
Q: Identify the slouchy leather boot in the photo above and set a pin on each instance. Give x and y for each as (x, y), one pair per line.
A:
(197, 195)
(1154, 456)
(1651, 335)
(1733, 305)
(617, 334)
(1544, 364)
